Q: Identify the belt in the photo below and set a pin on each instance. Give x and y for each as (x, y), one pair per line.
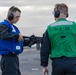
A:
(9, 54)
(64, 57)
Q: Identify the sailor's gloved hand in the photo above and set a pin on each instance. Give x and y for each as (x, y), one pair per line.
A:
(32, 37)
(33, 40)
(29, 41)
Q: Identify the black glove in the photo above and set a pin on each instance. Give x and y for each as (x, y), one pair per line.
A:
(33, 40)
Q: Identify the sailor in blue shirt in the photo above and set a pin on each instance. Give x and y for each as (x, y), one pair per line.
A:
(11, 43)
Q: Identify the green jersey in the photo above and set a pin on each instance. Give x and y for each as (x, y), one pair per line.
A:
(62, 35)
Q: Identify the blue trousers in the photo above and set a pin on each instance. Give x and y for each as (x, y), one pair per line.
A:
(10, 64)
(64, 66)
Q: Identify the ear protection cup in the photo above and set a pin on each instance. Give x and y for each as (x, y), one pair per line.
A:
(67, 15)
(56, 13)
(10, 16)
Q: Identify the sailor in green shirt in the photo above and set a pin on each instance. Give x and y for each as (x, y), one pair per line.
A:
(59, 43)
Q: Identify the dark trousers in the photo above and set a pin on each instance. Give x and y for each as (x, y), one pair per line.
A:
(10, 64)
(64, 66)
